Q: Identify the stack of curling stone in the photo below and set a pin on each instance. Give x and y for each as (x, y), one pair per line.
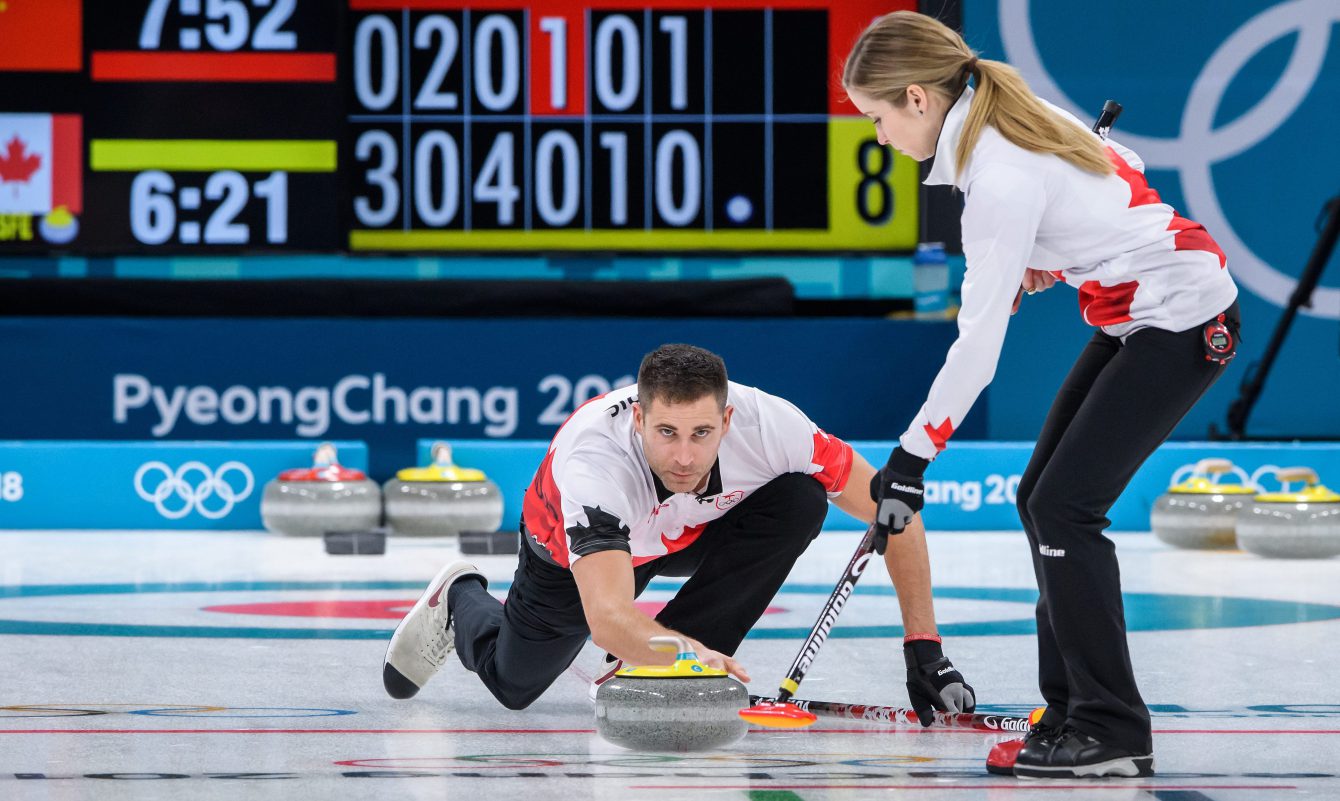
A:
(310, 501)
(1200, 512)
(1292, 524)
(442, 499)
(686, 706)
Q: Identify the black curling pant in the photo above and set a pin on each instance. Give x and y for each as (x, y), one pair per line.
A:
(735, 568)
(1118, 404)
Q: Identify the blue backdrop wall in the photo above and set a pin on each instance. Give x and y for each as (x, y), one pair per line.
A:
(1231, 103)
(390, 382)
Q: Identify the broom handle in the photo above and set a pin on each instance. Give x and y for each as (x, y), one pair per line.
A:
(900, 716)
(827, 617)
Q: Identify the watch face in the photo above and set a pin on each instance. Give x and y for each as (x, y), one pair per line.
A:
(1219, 345)
(185, 126)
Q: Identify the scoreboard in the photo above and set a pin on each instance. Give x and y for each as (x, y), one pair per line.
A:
(190, 126)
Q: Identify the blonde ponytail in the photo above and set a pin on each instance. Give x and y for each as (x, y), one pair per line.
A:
(905, 48)
(1004, 101)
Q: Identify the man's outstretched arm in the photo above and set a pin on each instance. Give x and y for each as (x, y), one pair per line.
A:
(605, 581)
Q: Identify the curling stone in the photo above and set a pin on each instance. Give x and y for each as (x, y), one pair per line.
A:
(442, 499)
(1200, 512)
(686, 706)
(1292, 524)
(309, 501)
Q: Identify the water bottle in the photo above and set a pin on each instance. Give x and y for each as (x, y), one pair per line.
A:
(930, 281)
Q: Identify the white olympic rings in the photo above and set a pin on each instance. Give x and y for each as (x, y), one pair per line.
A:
(192, 497)
(1252, 480)
(1199, 146)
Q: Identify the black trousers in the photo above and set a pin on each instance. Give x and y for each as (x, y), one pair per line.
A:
(735, 567)
(1119, 403)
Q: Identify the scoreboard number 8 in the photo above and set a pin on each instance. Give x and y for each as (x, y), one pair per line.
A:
(874, 195)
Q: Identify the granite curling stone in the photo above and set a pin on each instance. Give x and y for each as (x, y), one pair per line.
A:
(1292, 524)
(1201, 513)
(686, 706)
(310, 501)
(442, 499)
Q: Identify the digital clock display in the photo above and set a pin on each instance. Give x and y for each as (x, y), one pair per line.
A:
(443, 125)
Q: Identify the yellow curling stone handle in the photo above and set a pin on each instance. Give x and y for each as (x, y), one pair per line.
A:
(686, 666)
(442, 469)
(1312, 492)
(1204, 480)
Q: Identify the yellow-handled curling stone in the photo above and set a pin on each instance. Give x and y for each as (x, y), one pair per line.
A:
(1200, 512)
(310, 501)
(441, 499)
(1301, 523)
(686, 706)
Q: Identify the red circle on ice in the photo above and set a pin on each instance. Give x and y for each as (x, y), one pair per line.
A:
(369, 610)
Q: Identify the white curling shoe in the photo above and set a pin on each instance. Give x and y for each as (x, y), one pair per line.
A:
(609, 667)
(426, 635)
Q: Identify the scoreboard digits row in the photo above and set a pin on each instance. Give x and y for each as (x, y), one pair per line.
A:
(438, 125)
(603, 62)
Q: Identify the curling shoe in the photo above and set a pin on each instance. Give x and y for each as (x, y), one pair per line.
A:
(425, 636)
(1076, 755)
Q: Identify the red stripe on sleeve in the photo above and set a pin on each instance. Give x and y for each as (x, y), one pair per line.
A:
(834, 458)
(542, 509)
(940, 434)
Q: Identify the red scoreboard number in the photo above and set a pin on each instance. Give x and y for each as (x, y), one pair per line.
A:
(614, 126)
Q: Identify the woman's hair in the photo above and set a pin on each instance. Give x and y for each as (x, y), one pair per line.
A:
(681, 374)
(905, 48)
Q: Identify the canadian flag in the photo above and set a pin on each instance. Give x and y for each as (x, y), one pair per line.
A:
(41, 164)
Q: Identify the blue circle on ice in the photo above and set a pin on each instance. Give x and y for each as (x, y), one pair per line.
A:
(1144, 611)
(739, 209)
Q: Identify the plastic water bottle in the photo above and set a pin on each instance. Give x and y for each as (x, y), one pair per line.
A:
(930, 281)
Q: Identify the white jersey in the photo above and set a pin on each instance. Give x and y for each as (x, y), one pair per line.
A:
(594, 490)
(1135, 261)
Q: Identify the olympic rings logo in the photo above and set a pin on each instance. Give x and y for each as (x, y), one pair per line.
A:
(1252, 480)
(1199, 145)
(175, 495)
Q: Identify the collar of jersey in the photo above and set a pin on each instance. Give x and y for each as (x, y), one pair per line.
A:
(942, 169)
(713, 485)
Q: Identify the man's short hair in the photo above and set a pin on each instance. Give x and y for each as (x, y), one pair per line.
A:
(681, 374)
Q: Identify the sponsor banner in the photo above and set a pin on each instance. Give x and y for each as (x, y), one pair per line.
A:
(146, 485)
(391, 382)
(973, 485)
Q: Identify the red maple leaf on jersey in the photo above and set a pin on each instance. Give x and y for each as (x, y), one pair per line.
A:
(16, 163)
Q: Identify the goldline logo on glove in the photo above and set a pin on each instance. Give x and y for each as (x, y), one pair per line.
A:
(904, 488)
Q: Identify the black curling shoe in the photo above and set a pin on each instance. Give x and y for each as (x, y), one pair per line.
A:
(1076, 755)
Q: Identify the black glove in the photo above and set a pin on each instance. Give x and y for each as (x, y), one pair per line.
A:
(898, 494)
(934, 683)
